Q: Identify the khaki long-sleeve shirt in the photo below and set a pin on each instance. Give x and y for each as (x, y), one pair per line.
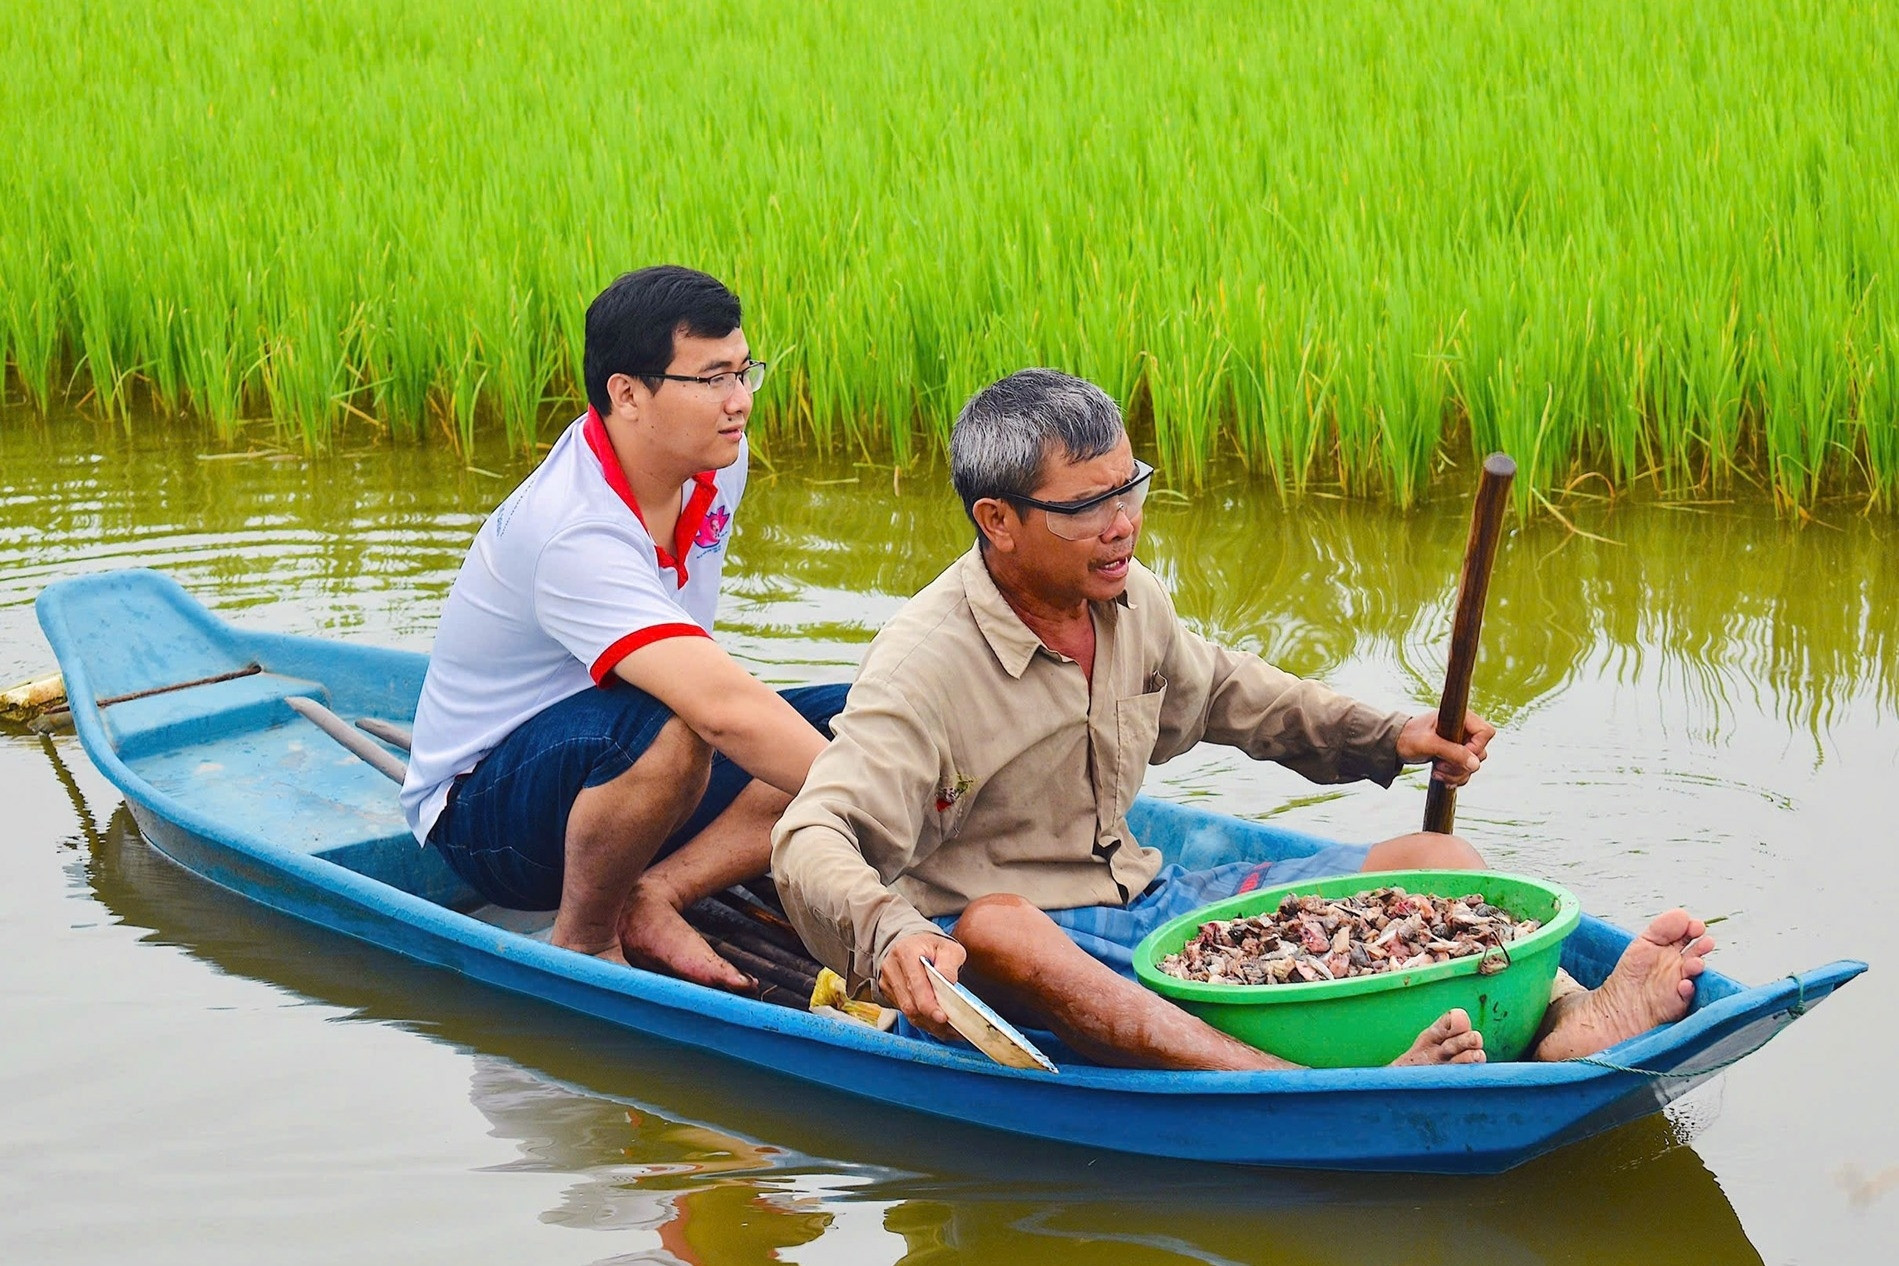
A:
(971, 759)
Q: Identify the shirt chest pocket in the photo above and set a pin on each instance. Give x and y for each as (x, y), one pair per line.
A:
(1137, 721)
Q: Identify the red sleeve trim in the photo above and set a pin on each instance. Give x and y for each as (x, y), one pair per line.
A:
(611, 657)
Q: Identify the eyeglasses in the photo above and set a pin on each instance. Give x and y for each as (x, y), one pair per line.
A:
(1079, 520)
(751, 375)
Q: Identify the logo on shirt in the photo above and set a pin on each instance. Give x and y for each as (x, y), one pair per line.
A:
(505, 511)
(712, 529)
(949, 795)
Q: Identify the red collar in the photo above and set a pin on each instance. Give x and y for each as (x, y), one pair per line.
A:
(690, 518)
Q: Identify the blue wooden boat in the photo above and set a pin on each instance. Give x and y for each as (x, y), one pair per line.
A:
(227, 779)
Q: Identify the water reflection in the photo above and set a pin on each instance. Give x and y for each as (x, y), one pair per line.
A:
(1723, 605)
(707, 1195)
(369, 534)
(650, 1138)
(1731, 602)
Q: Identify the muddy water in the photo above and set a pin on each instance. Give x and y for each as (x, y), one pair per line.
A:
(1701, 708)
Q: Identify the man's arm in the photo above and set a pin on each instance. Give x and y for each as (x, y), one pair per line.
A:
(730, 709)
(1240, 700)
(858, 824)
(598, 593)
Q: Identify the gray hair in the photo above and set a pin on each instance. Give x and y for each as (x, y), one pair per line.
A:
(1009, 429)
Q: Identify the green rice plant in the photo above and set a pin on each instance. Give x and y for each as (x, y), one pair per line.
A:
(466, 379)
(210, 372)
(399, 365)
(305, 375)
(29, 313)
(1878, 416)
(1635, 391)
(516, 356)
(155, 328)
(1408, 394)
(1712, 377)
(1349, 243)
(1283, 392)
(1187, 387)
(1871, 425)
(1804, 400)
(101, 299)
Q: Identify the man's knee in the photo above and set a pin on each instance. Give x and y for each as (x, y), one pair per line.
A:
(676, 741)
(675, 766)
(768, 800)
(997, 921)
(1425, 850)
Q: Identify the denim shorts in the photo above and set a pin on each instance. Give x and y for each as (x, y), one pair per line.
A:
(504, 830)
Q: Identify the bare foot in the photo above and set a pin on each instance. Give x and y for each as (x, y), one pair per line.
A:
(656, 936)
(1450, 1040)
(611, 952)
(1652, 984)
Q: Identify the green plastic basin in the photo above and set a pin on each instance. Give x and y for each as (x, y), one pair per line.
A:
(1370, 1020)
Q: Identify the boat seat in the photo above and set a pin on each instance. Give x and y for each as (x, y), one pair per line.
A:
(236, 751)
(142, 728)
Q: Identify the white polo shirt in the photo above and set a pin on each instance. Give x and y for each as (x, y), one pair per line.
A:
(562, 583)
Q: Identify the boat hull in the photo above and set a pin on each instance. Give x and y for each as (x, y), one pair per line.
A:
(184, 758)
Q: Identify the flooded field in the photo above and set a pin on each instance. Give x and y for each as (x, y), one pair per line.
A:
(1701, 708)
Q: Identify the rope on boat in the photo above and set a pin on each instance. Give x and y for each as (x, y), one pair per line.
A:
(43, 704)
(249, 670)
(1798, 1009)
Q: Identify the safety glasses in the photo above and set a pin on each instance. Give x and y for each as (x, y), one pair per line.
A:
(1079, 520)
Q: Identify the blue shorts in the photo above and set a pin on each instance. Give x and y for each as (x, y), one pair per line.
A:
(504, 830)
(1111, 933)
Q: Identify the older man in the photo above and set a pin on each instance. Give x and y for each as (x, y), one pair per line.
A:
(972, 810)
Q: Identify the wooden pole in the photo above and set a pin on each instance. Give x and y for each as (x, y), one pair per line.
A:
(1486, 527)
(763, 969)
(713, 918)
(388, 731)
(376, 757)
(768, 921)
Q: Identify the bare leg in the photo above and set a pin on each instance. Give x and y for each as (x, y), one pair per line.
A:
(1022, 961)
(736, 846)
(1421, 850)
(1652, 984)
(614, 829)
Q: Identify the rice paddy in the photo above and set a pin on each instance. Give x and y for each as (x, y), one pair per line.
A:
(1344, 244)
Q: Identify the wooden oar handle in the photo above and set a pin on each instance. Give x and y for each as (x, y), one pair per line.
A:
(1486, 527)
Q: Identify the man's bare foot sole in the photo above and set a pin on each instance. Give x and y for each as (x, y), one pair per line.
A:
(1653, 983)
(656, 936)
(1450, 1040)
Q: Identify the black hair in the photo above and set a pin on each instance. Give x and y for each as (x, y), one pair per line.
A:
(632, 323)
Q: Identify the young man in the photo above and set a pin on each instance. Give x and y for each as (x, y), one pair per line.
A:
(582, 744)
(972, 811)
